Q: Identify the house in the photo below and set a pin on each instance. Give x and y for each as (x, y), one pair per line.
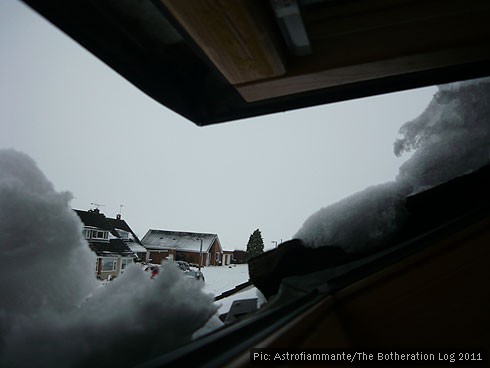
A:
(239, 256)
(183, 246)
(112, 258)
(227, 257)
(112, 240)
(125, 233)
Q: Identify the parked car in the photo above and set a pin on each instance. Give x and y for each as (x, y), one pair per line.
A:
(184, 266)
(198, 275)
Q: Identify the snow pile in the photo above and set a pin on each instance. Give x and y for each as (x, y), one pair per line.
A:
(53, 310)
(41, 243)
(450, 138)
(368, 215)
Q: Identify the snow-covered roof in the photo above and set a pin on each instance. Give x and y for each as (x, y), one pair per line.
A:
(136, 248)
(114, 248)
(96, 219)
(184, 241)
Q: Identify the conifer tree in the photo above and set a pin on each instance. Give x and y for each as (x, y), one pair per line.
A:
(255, 244)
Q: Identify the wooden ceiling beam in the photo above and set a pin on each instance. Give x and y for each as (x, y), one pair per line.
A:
(381, 44)
(236, 36)
(292, 83)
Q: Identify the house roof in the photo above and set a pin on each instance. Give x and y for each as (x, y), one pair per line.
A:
(95, 219)
(136, 248)
(192, 57)
(114, 248)
(178, 240)
(120, 224)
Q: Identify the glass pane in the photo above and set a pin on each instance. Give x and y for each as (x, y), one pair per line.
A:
(108, 264)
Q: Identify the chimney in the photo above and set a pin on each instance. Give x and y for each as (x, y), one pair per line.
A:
(118, 216)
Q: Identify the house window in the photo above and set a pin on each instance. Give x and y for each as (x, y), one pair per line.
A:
(86, 233)
(125, 262)
(218, 257)
(123, 234)
(109, 264)
(99, 234)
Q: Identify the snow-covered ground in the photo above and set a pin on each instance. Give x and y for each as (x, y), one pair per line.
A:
(223, 278)
(220, 279)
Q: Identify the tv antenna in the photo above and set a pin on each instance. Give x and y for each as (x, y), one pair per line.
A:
(97, 205)
(120, 208)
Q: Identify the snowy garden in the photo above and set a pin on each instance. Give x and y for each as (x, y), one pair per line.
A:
(221, 279)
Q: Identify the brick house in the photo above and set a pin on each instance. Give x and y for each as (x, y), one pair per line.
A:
(183, 246)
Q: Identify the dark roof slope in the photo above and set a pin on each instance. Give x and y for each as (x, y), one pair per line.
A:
(116, 247)
(120, 224)
(94, 218)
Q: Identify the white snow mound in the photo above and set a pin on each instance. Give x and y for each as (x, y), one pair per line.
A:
(53, 310)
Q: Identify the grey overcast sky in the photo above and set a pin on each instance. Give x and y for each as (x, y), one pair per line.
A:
(94, 134)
